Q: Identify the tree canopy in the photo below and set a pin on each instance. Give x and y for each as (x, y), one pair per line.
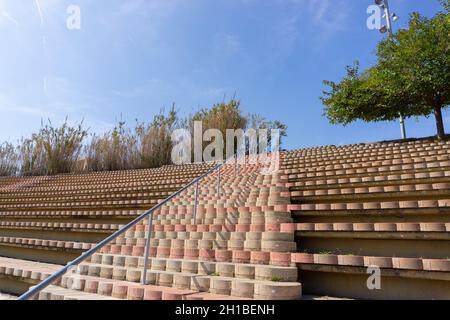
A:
(411, 77)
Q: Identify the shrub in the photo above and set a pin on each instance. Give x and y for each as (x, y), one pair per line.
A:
(154, 139)
(9, 160)
(66, 149)
(145, 146)
(111, 151)
(52, 150)
(228, 115)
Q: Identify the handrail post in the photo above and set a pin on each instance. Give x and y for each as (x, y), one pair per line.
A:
(195, 202)
(218, 182)
(147, 249)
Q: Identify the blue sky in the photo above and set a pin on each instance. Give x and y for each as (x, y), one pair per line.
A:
(131, 57)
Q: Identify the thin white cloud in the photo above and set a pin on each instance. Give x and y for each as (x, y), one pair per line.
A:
(38, 6)
(288, 31)
(56, 97)
(228, 44)
(215, 92)
(11, 19)
(295, 20)
(130, 6)
(153, 8)
(45, 86)
(153, 84)
(8, 106)
(165, 92)
(327, 14)
(319, 9)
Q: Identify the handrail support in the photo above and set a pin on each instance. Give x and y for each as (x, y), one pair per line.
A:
(195, 203)
(218, 182)
(147, 249)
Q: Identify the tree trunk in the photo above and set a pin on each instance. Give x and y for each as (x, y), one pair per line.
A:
(439, 122)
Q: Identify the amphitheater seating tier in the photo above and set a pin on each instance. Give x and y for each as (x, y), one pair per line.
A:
(313, 227)
(383, 204)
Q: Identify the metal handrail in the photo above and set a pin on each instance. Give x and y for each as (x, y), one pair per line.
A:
(48, 281)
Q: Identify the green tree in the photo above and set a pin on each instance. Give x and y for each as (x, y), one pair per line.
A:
(411, 77)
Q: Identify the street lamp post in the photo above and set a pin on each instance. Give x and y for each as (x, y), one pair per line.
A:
(385, 5)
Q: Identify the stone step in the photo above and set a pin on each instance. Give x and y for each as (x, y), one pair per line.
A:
(244, 288)
(241, 270)
(59, 293)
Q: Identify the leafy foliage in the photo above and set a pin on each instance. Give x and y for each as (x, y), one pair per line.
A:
(411, 77)
(221, 116)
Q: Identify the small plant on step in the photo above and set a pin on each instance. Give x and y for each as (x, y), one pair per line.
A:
(276, 279)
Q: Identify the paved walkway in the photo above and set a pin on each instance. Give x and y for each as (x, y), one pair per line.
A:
(28, 265)
(24, 268)
(4, 296)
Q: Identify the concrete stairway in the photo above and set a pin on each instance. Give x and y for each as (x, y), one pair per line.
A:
(383, 204)
(315, 227)
(54, 219)
(232, 249)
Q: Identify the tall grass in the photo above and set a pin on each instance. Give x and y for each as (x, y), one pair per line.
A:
(111, 151)
(71, 148)
(154, 139)
(52, 150)
(229, 115)
(9, 160)
(147, 145)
